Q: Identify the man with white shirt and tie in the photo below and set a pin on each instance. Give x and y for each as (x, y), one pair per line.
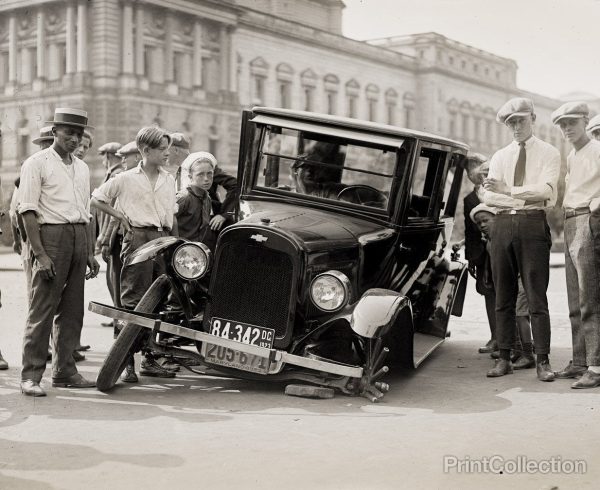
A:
(582, 235)
(521, 184)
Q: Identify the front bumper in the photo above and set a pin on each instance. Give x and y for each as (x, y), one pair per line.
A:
(277, 358)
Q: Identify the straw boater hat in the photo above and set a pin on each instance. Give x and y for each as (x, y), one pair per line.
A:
(112, 147)
(45, 135)
(70, 117)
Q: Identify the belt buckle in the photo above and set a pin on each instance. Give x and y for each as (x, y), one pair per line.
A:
(512, 211)
(159, 228)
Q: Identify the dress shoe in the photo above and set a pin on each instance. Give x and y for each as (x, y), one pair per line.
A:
(31, 388)
(49, 356)
(544, 371)
(571, 371)
(107, 324)
(78, 356)
(3, 363)
(75, 381)
(525, 361)
(151, 368)
(168, 364)
(590, 379)
(129, 375)
(82, 348)
(501, 367)
(488, 348)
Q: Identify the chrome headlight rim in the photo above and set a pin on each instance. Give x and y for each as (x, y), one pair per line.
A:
(203, 248)
(345, 284)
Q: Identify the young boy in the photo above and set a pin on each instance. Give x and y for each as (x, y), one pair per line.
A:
(146, 202)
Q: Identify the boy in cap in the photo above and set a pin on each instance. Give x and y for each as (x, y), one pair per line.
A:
(594, 127)
(54, 202)
(179, 151)
(522, 183)
(129, 154)
(582, 233)
(146, 209)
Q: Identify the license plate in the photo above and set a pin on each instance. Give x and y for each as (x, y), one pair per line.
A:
(245, 334)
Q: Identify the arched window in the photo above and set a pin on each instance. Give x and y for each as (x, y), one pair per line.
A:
(372, 93)
(391, 102)
(308, 79)
(408, 102)
(352, 92)
(332, 85)
(259, 70)
(285, 75)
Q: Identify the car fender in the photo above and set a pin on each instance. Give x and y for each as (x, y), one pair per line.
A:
(377, 311)
(153, 248)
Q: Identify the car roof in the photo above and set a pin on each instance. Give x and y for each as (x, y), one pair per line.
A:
(357, 124)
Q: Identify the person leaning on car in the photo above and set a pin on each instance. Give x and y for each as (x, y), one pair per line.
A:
(522, 183)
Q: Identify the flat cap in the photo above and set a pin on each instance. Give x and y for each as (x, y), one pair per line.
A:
(128, 149)
(519, 106)
(180, 140)
(111, 147)
(481, 208)
(570, 110)
(594, 123)
(45, 135)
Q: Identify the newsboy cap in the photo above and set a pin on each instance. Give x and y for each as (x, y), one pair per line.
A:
(180, 140)
(127, 149)
(69, 117)
(112, 147)
(594, 123)
(570, 110)
(45, 135)
(519, 106)
(479, 209)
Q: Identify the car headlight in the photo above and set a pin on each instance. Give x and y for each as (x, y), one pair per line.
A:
(192, 260)
(330, 291)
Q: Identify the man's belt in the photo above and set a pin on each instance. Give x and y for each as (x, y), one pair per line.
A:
(572, 212)
(523, 212)
(151, 228)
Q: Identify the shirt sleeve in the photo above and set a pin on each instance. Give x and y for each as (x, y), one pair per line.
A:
(109, 191)
(493, 198)
(30, 188)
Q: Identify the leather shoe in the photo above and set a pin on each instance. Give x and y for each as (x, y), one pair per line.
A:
(78, 356)
(571, 371)
(129, 375)
(544, 371)
(590, 379)
(151, 368)
(168, 364)
(488, 348)
(3, 363)
(49, 356)
(525, 361)
(82, 348)
(75, 381)
(501, 367)
(31, 388)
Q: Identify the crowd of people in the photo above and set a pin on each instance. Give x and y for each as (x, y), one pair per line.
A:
(153, 187)
(156, 186)
(507, 241)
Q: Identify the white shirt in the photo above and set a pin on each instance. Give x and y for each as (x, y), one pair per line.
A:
(56, 192)
(138, 201)
(583, 177)
(542, 170)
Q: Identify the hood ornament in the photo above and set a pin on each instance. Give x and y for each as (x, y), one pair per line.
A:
(259, 238)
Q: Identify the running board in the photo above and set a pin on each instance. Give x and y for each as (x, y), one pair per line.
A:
(423, 345)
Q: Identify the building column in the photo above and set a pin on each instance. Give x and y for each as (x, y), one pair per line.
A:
(197, 61)
(12, 54)
(26, 58)
(41, 44)
(82, 32)
(224, 56)
(233, 62)
(139, 41)
(70, 38)
(169, 29)
(127, 39)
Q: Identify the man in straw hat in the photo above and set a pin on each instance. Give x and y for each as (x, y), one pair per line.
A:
(522, 184)
(54, 203)
(582, 233)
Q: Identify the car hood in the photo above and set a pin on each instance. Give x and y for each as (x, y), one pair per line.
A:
(313, 229)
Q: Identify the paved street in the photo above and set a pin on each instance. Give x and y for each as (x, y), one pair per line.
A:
(191, 432)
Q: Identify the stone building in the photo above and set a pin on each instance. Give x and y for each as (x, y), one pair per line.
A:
(192, 65)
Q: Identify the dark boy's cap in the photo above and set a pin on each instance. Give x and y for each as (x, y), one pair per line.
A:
(127, 149)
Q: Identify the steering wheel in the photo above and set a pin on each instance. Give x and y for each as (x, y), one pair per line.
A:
(364, 195)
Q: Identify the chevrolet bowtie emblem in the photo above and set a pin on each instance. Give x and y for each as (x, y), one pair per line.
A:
(259, 238)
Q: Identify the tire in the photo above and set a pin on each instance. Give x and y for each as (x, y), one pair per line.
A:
(117, 355)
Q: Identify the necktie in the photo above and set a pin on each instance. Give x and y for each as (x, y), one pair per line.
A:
(520, 167)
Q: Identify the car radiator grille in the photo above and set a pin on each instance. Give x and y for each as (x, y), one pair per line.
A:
(253, 285)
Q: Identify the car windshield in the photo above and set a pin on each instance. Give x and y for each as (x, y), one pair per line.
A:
(326, 167)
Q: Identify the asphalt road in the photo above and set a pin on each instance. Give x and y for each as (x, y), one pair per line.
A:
(192, 431)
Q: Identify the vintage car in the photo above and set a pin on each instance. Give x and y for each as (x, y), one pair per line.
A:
(339, 255)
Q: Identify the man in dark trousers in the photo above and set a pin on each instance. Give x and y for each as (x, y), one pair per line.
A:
(522, 184)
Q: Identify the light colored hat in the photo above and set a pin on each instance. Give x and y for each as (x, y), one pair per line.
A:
(480, 208)
(112, 147)
(198, 155)
(70, 117)
(45, 135)
(594, 123)
(570, 110)
(127, 149)
(180, 140)
(519, 106)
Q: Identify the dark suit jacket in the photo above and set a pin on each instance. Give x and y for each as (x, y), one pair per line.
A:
(474, 245)
(229, 183)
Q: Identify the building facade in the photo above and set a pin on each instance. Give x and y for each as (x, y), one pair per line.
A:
(192, 65)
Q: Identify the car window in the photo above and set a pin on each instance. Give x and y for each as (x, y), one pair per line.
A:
(425, 182)
(326, 167)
